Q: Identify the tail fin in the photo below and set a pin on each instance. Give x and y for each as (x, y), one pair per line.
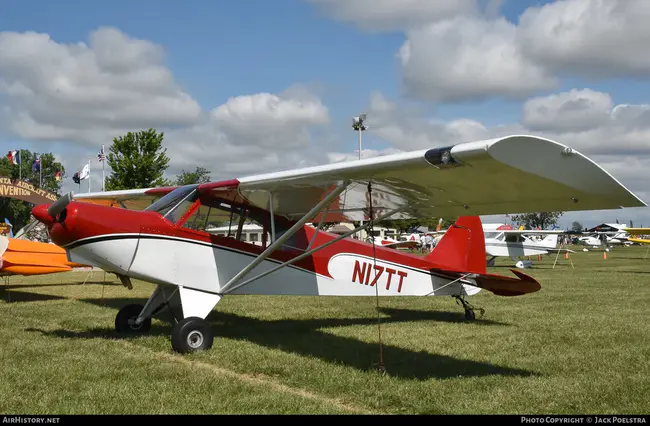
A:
(462, 248)
(550, 241)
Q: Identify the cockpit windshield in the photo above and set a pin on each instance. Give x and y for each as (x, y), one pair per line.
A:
(175, 204)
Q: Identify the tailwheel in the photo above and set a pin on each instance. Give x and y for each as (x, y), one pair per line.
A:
(125, 320)
(192, 334)
(470, 314)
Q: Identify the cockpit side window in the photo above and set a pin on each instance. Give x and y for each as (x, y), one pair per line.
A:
(175, 204)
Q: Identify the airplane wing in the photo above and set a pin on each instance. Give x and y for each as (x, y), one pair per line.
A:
(636, 231)
(639, 240)
(532, 231)
(513, 174)
(504, 175)
(132, 199)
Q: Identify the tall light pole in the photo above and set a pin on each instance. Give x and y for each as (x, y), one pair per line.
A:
(359, 126)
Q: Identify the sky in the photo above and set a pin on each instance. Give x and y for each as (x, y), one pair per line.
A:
(252, 86)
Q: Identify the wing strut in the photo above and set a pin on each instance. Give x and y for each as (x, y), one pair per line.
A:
(288, 234)
(307, 253)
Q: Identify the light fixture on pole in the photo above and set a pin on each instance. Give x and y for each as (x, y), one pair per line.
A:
(359, 126)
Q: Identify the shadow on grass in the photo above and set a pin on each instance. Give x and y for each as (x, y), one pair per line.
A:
(25, 296)
(305, 337)
(80, 283)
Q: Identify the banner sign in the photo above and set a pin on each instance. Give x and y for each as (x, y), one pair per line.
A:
(21, 190)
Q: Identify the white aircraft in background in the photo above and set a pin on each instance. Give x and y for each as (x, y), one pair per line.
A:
(607, 239)
(502, 240)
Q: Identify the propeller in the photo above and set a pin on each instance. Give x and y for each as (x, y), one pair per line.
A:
(59, 205)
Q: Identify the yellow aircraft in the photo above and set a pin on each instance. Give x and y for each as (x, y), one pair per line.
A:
(638, 231)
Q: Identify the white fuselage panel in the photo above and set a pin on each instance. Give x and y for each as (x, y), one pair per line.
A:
(201, 266)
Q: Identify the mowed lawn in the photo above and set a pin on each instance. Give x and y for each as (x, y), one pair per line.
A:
(580, 345)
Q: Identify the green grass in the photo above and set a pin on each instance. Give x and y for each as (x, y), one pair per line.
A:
(580, 345)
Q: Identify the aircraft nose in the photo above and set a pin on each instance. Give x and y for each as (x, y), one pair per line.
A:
(41, 214)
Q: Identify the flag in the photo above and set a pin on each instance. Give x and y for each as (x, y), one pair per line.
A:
(101, 155)
(14, 156)
(75, 178)
(36, 165)
(85, 172)
(57, 176)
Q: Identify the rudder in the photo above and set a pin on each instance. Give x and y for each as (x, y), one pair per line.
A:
(462, 248)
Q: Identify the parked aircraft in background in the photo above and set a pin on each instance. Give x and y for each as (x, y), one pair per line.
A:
(502, 240)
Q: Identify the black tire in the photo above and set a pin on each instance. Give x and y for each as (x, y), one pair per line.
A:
(131, 312)
(470, 315)
(192, 334)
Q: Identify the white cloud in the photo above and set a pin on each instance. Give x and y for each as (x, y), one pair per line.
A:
(599, 38)
(459, 51)
(253, 133)
(269, 120)
(469, 58)
(74, 97)
(408, 129)
(84, 92)
(391, 14)
(338, 157)
(577, 110)
(588, 120)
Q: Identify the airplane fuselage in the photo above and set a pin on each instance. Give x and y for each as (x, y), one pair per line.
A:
(149, 248)
(501, 248)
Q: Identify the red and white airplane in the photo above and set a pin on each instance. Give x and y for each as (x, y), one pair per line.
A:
(167, 244)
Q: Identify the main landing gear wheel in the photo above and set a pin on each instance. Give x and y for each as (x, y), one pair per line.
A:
(192, 334)
(125, 320)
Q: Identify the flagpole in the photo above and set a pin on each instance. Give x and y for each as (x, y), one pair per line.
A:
(89, 175)
(103, 163)
(40, 173)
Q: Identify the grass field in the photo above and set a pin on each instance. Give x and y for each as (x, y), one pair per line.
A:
(580, 345)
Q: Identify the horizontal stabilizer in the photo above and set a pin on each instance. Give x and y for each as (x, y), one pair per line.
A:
(508, 286)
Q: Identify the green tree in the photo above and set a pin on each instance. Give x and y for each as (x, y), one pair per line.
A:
(200, 175)
(540, 220)
(137, 160)
(18, 212)
(576, 227)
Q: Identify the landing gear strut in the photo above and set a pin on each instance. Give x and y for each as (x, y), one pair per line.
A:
(470, 315)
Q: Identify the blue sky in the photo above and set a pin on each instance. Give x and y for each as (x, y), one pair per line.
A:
(217, 50)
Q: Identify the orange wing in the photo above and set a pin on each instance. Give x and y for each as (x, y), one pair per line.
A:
(24, 257)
